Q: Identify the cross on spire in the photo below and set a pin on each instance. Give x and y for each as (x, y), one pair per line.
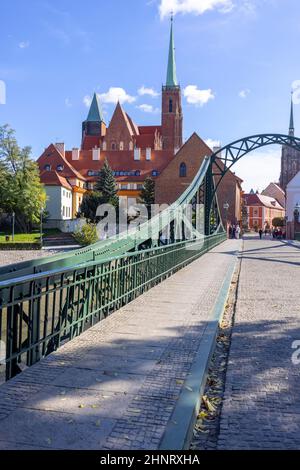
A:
(292, 128)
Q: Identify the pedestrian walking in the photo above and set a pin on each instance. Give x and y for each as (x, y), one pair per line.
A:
(237, 232)
(260, 233)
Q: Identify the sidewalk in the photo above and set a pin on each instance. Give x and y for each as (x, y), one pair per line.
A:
(261, 409)
(118, 385)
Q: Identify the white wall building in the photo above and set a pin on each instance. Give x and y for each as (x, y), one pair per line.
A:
(292, 197)
(59, 203)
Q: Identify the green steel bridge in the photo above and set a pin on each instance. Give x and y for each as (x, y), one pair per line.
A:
(46, 302)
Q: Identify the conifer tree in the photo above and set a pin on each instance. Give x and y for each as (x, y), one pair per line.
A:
(106, 185)
(147, 195)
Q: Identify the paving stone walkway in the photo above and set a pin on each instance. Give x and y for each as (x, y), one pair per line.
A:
(17, 256)
(116, 386)
(261, 409)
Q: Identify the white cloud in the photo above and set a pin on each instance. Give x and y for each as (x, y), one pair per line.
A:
(115, 94)
(24, 44)
(268, 161)
(148, 108)
(244, 93)
(196, 96)
(213, 143)
(87, 100)
(147, 91)
(196, 7)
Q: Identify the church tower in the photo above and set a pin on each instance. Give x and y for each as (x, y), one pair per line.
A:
(172, 118)
(290, 158)
(93, 128)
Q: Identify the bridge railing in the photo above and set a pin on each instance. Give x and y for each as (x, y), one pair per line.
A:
(41, 311)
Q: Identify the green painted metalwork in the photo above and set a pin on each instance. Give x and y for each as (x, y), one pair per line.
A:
(226, 157)
(38, 312)
(117, 245)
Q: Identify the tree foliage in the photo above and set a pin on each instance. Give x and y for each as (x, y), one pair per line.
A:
(86, 235)
(21, 190)
(90, 202)
(107, 186)
(147, 195)
(278, 222)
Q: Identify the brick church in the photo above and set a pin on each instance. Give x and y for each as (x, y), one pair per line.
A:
(290, 158)
(134, 152)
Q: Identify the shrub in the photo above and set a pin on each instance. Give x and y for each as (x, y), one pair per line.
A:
(86, 235)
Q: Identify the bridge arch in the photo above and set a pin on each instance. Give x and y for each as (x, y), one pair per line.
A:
(223, 160)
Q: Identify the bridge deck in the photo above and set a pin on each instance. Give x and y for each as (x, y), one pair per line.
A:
(117, 385)
(261, 409)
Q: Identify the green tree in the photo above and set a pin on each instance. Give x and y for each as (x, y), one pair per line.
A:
(89, 205)
(278, 222)
(147, 195)
(107, 186)
(21, 189)
(87, 235)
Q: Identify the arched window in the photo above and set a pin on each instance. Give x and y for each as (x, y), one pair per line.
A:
(170, 105)
(113, 146)
(121, 146)
(182, 170)
(59, 167)
(47, 167)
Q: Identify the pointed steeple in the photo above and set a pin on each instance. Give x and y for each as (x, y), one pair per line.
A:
(171, 73)
(292, 128)
(95, 112)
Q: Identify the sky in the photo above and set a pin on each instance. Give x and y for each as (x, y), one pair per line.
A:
(237, 61)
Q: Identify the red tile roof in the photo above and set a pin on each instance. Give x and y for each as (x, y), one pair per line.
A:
(52, 178)
(260, 200)
(149, 129)
(54, 158)
(121, 161)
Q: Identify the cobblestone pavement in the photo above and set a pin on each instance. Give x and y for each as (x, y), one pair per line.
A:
(261, 408)
(116, 386)
(16, 256)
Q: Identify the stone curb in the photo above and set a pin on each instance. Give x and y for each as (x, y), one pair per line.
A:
(179, 430)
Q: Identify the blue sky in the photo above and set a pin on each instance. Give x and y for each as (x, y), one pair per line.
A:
(236, 63)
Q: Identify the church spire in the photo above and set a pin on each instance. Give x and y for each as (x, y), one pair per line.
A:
(95, 112)
(292, 128)
(171, 73)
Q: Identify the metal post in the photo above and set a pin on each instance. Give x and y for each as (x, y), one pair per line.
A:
(41, 227)
(13, 227)
(208, 198)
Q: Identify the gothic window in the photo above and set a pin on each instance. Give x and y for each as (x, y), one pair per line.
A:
(113, 146)
(47, 167)
(182, 170)
(60, 167)
(170, 105)
(121, 147)
(104, 146)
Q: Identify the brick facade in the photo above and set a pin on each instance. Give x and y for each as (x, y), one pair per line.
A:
(170, 185)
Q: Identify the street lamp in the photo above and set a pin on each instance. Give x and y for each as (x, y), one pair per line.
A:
(41, 226)
(13, 226)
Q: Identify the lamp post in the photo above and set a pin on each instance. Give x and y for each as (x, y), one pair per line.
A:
(41, 226)
(226, 207)
(13, 226)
